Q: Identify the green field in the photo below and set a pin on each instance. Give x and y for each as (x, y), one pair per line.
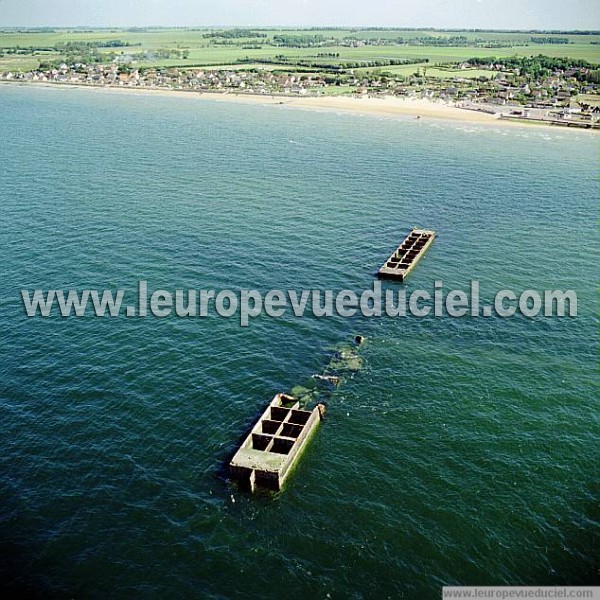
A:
(23, 50)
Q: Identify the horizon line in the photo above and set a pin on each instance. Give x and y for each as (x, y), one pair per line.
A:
(304, 27)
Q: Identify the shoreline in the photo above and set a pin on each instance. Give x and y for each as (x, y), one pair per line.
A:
(386, 106)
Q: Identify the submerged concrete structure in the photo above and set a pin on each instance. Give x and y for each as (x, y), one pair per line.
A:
(267, 456)
(399, 265)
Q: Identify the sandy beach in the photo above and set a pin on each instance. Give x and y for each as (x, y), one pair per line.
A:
(376, 106)
(384, 106)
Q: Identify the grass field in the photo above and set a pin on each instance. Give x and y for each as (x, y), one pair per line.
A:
(204, 51)
(443, 73)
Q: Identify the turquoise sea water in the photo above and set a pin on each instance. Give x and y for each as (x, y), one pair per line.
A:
(464, 453)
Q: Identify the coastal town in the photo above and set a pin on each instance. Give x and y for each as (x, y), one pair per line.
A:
(563, 96)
